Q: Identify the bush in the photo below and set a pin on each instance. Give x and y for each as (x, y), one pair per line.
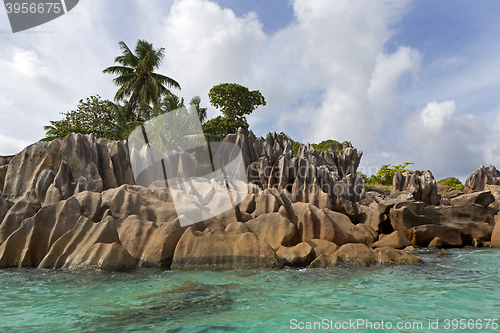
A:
(453, 184)
(332, 146)
(386, 174)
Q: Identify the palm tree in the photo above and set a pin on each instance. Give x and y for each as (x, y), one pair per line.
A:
(136, 77)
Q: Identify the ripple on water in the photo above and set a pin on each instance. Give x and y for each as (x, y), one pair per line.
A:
(461, 285)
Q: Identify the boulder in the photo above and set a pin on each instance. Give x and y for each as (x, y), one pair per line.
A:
(325, 261)
(28, 245)
(448, 196)
(134, 234)
(104, 165)
(160, 246)
(109, 257)
(495, 191)
(403, 219)
(495, 236)
(395, 240)
(238, 227)
(457, 214)
(422, 183)
(347, 207)
(299, 255)
(219, 249)
(362, 255)
(154, 205)
(422, 235)
(24, 168)
(248, 204)
(436, 242)
(76, 247)
(43, 183)
(24, 208)
(388, 256)
(90, 203)
(311, 223)
(120, 158)
(266, 203)
(273, 228)
(371, 217)
(474, 221)
(346, 232)
(82, 161)
(483, 198)
(480, 178)
(322, 247)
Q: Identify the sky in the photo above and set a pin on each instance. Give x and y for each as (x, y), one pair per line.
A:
(404, 81)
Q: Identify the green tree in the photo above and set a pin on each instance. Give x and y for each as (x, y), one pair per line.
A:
(235, 102)
(136, 77)
(127, 119)
(386, 174)
(202, 112)
(93, 115)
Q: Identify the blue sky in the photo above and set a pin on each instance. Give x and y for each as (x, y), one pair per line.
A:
(402, 80)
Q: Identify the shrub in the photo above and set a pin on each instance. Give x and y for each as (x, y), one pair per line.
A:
(453, 184)
(386, 174)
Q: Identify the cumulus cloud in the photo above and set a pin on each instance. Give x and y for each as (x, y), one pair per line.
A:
(440, 140)
(329, 61)
(434, 114)
(208, 45)
(47, 70)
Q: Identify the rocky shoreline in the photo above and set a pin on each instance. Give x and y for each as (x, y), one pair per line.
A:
(73, 203)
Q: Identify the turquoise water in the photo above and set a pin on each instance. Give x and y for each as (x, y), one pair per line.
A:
(464, 285)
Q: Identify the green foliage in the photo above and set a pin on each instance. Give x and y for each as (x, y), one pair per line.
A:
(221, 126)
(453, 184)
(92, 115)
(386, 174)
(235, 102)
(127, 119)
(286, 137)
(136, 77)
(332, 146)
(202, 112)
(295, 144)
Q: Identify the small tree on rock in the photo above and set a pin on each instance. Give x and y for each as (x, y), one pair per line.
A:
(235, 102)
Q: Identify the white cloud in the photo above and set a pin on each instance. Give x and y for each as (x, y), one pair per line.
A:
(11, 146)
(208, 45)
(5, 103)
(444, 142)
(27, 63)
(434, 114)
(332, 64)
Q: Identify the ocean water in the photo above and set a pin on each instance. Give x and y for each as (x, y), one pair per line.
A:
(430, 298)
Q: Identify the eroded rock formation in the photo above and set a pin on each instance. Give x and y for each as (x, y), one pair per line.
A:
(74, 203)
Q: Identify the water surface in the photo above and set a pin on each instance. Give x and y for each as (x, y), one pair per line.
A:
(464, 285)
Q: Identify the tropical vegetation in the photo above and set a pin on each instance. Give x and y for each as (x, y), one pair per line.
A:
(452, 183)
(386, 174)
(235, 102)
(144, 94)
